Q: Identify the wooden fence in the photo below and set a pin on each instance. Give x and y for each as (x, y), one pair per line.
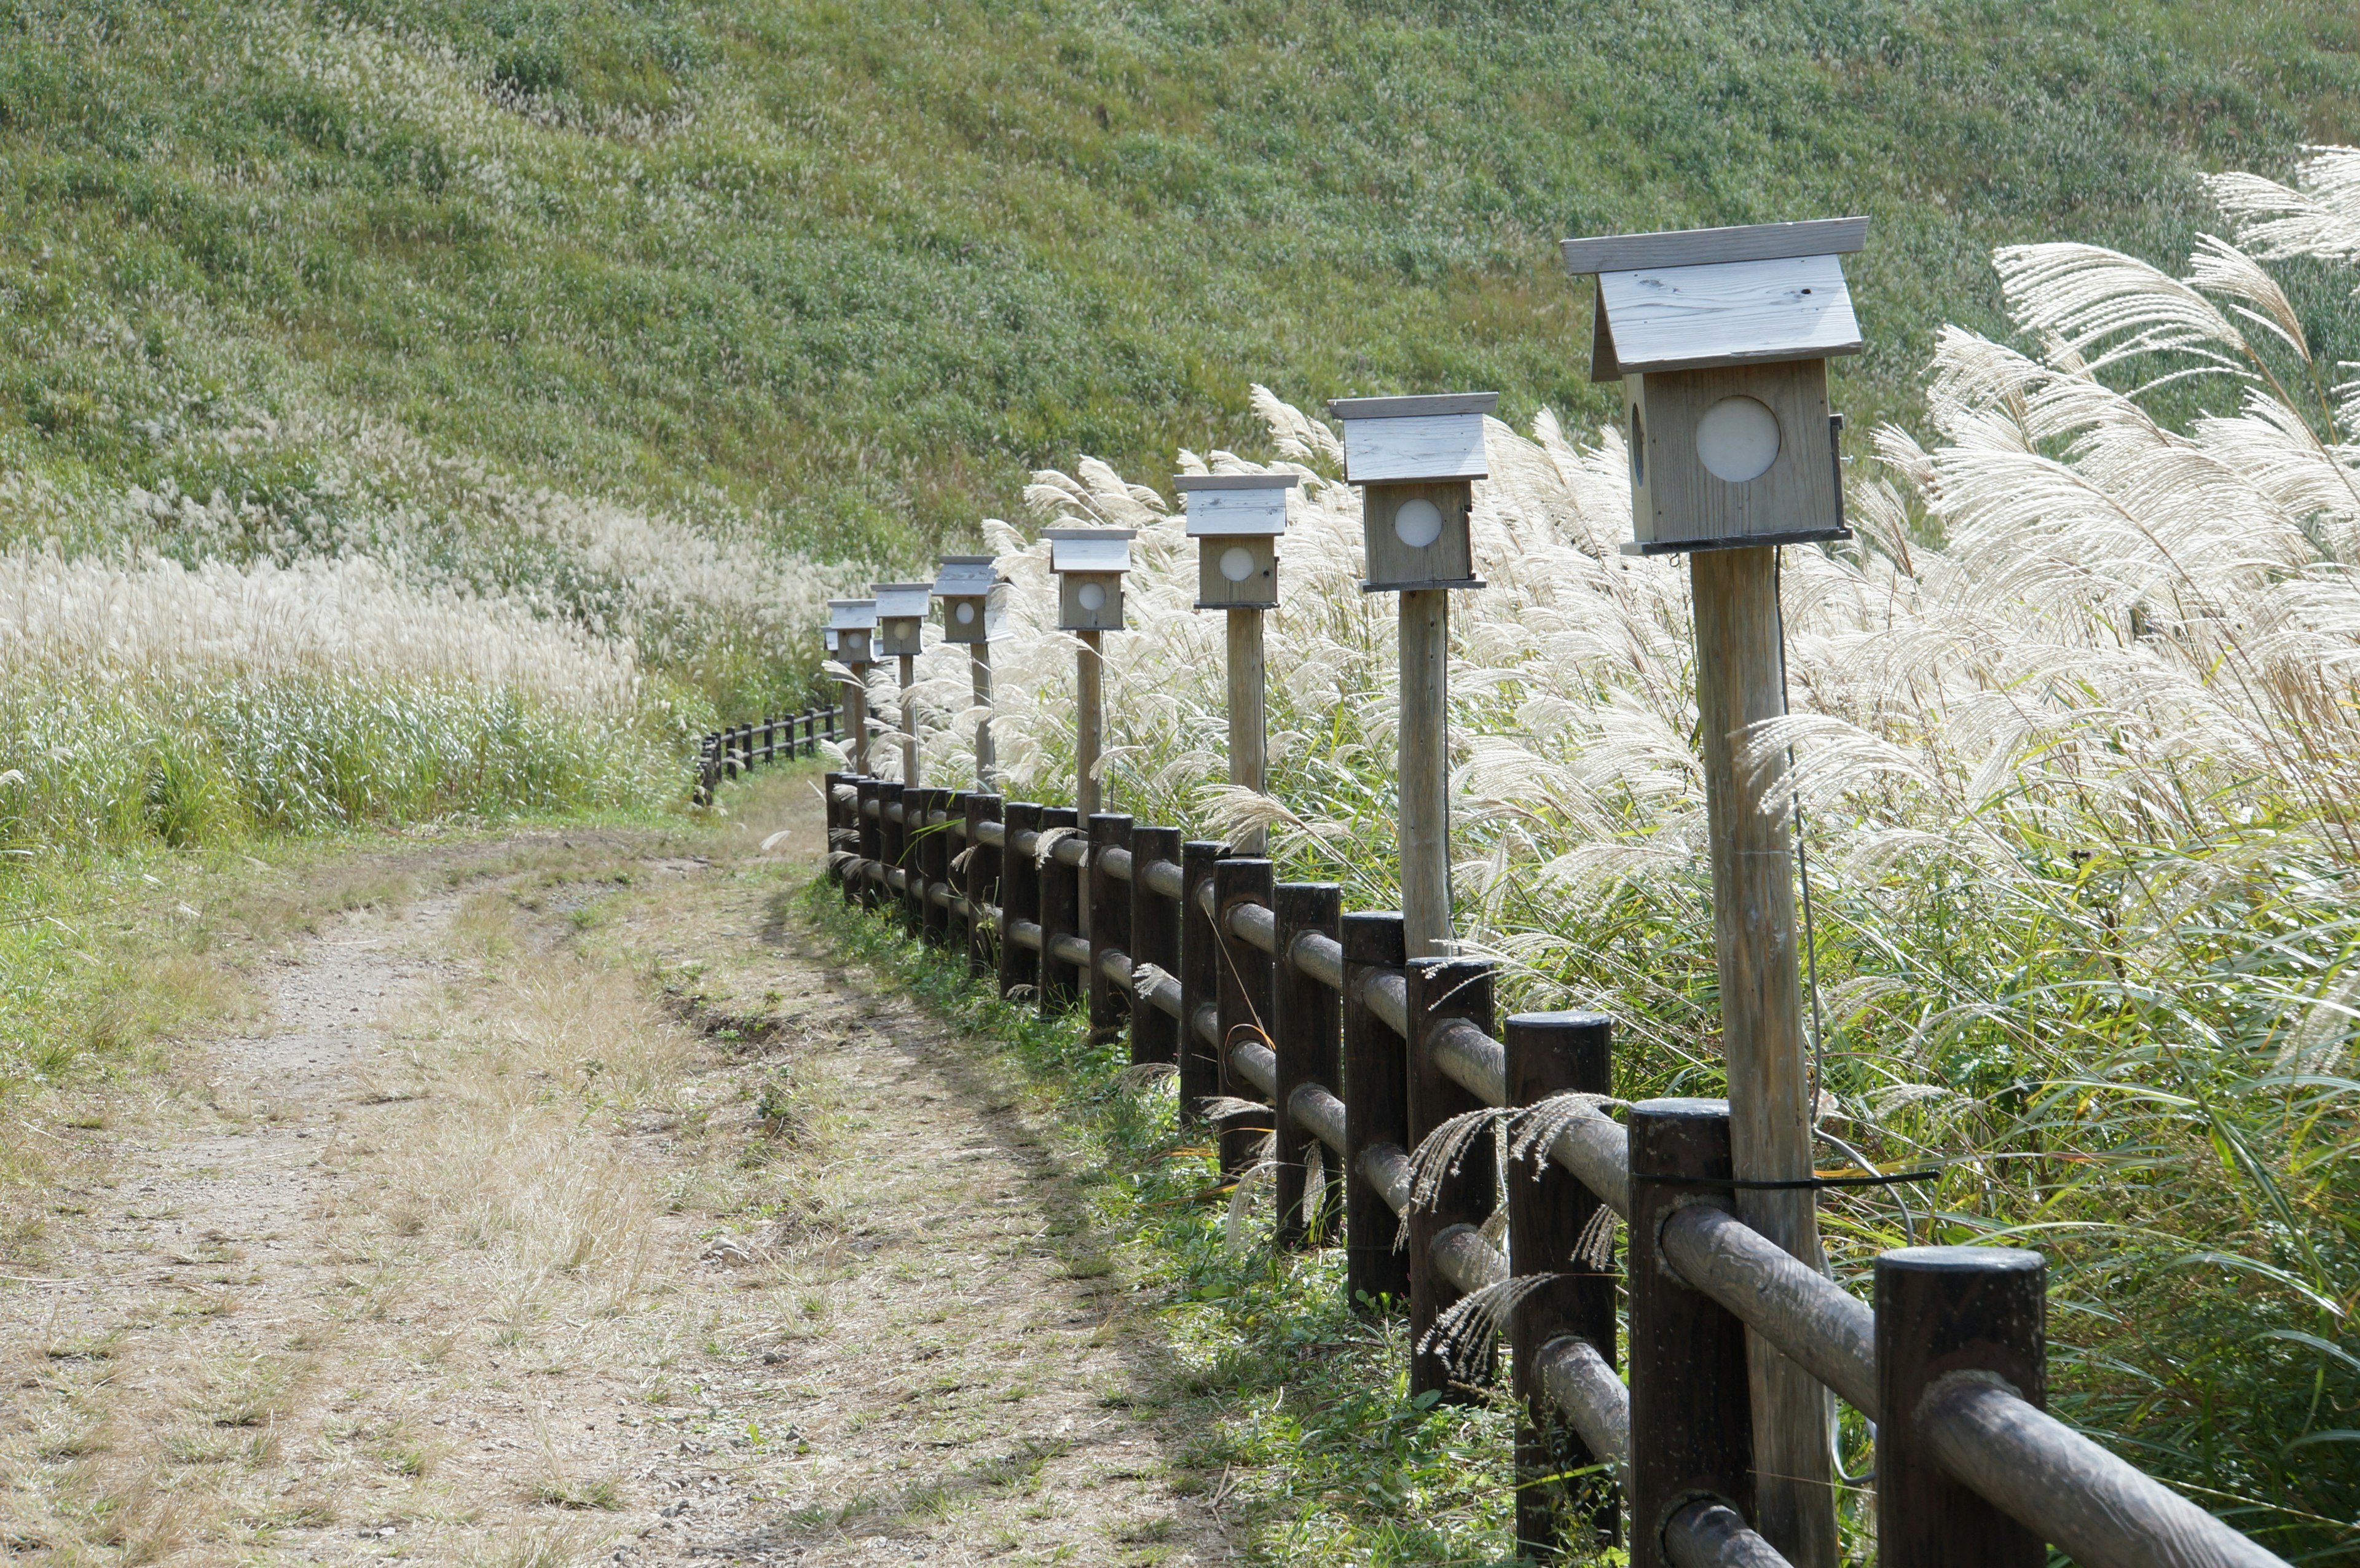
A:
(725, 754)
(1270, 992)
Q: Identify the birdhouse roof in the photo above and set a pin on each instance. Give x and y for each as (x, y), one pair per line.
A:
(1089, 549)
(851, 614)
(966, 574)
(1432, 437)
(1222, 505)
(1696, 298)
(900, 601)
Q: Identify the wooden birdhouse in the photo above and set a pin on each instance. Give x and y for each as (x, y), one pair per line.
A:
(852, 621)
(1722, 338)
(1236, 519)
(1416, 461)
(965, 588)
(902, 617)
(1089, 564)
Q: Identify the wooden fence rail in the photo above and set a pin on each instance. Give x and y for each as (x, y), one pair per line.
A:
(725, 754)
(1269, 992)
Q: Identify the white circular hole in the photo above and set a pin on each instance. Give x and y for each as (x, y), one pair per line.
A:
(1092, 596)
(1237, 563)
(1418, 523)
(967, 615)
(1737, 439)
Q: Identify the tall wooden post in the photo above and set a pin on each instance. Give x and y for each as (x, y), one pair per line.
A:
(1155, 1035)
(1062, 913)
(855, 710)
(1425, 772)
(982, 886)
(1020, 899)
(1089, 723)
(978, 667)
(1740, 674)
(1248, 728)
(909, 721)
(1109, 901)
(1303, 1028)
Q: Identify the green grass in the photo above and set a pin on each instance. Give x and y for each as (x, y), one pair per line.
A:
(851, 271)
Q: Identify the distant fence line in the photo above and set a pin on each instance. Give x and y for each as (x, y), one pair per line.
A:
(725, 754)
(1288, 1019)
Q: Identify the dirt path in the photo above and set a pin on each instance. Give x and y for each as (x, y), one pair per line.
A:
(478, 1248)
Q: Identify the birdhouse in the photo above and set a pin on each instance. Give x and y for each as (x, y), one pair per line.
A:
(965, 587)
(1236, 519)
(852, 621)
(1089, 564)
(1416, 461)
(902, 617)
(1722, 338)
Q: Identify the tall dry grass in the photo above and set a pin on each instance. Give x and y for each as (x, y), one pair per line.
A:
(2076, 765)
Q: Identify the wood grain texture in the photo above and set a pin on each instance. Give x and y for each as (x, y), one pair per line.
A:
(1236, 509)
(1305, 1021)
(1019, 900)
(1675, 499)
(1701, 247)
(1110, 926)
(1089, 726)
(1739, 684)
(1257, 589)
(1061, 915)
(1423, 446)
(979, 668)
(1423, 772)
(1739, 312)
(909, 763)
(1154, 939)
(981, 883)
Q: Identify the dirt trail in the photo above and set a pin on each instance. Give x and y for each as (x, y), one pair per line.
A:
(481, 1249)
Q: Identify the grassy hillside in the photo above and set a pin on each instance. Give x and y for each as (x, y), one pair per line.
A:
(841, 273)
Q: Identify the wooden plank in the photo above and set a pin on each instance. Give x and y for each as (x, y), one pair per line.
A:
(980, 883)
(1423, 446)
(1247, 725)
(1154, 939)
(1423, 769)
(1061, 915)
(1225, 512)
(1304, 1020)
(1243, 992)
(1416, 406)
(1019, 899)
(1109, 927)
(1442, 989)
(1738, 313)
(1702, 247)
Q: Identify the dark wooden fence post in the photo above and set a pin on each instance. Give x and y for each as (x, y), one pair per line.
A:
(1110, 900)
(892, 792)
(1304, 1024)
(1942, 1311)
(770, 739)
(1376, 1112)
(1154, 939)
(1244, 990)
(1691, 1421)
(832, 815)
(869, 792)
(935, 855)
(1019, 899)
(1548, 1210)
(1200, 978)
(1061, 915)
(1442, 988)
(981, 886)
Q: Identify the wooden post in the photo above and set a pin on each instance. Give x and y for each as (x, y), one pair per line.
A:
(978, 666)
(1304, 1022)
(1441, 989)
(1154, 939)
(1549, 1209)
(1740, 678)
(1019, 899)
(855, 717)
(1247, 727)
(831, 815)
(1089, 723)
(1200, 978)
(909, 720)
(892, 792)
(1061, 915)
(1424, 771)
(872, 842)
(1243, 989)
(1109, 923)
(1943, 1311)
(936, 857)
(982, 886)
(1692, 1435)
(1376, 1112)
